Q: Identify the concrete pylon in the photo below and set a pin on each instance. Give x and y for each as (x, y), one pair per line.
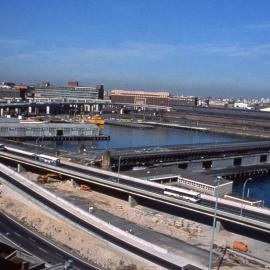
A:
(106, 160)
(48, 109)
(132, 202)
(19, 168)
(219, 226)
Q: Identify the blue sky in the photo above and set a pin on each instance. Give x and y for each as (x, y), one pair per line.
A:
(191, 47)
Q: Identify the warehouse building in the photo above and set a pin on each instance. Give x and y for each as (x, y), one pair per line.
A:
(174, 176)
(71, 93)
(140, 97)
(31, 130)
(151, 98)
(8, 91)
(183, 101)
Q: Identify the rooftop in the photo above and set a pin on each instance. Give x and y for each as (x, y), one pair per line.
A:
(174, 171)
(126, 92)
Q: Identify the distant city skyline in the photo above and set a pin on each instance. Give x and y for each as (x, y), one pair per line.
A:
(204, 48)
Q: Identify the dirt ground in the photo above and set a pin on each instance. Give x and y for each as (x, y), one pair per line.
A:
(161, 222)
(86, 245)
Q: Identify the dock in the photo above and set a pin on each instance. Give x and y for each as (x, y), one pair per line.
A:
(50, 131)
(129, 124)
(62, 138)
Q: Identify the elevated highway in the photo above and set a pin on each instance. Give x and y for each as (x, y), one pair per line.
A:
(253, 219)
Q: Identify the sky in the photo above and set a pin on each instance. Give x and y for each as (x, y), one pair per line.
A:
(193, 47)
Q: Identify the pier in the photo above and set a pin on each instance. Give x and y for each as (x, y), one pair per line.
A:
(50, 131)
(129, 124)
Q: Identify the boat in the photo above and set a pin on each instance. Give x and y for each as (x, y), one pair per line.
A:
(95, 119)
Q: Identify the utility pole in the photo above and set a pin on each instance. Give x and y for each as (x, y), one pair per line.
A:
(219, 178)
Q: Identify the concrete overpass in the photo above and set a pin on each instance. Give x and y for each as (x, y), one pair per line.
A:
(253, 219)
(62, 106)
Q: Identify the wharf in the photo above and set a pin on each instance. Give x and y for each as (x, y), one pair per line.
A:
(214, 128)
(62, 138)
(50, 131)
(176, 125)
(129, 124)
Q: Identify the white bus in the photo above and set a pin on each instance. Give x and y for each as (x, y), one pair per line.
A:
(181, 193)
(48, 159)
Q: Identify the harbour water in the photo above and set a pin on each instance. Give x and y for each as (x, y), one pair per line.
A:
(123, 137)
(258, 189)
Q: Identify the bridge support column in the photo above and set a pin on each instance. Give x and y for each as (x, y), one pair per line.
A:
(87, 108)
(48, 109)
(106, 160)
(1, 111)
(132, 202)
(74, 183)
(18, 110)
(29, 109)
(219, 226)
(19, 168)
(96, 108)
(36, 110)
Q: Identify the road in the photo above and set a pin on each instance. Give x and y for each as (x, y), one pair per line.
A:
(38, 246)
(170, 243)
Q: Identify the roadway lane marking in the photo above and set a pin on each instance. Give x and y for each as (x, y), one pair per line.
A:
(44, 250)
(17, 234)
(33, 240)
(60, 255)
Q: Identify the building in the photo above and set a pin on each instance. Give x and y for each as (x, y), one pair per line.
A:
(140, 97)
(7, 85)
(11, 94)
(48, 93)
(265, 109)
(177, 177)
(151, 98)
(45, 130)
(183, 101)
(73, 83)
(10, 91)
(241, 105)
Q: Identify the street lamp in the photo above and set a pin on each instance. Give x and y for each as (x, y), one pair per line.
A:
(243, 194)
(217, 181)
